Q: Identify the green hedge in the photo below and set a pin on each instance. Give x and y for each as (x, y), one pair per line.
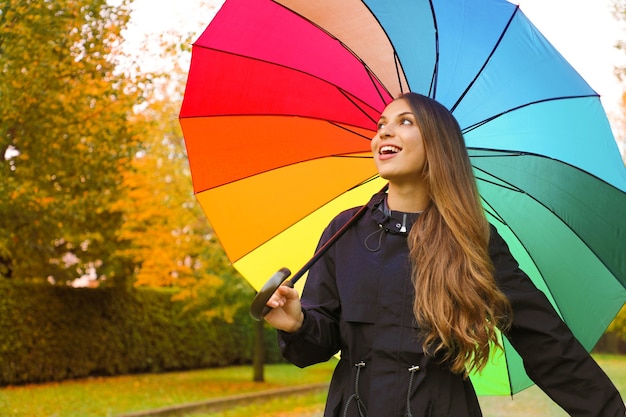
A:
(50, 333)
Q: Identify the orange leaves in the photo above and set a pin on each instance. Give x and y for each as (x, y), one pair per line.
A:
(66, 118)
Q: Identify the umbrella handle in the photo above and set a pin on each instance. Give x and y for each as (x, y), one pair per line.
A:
(258, 308)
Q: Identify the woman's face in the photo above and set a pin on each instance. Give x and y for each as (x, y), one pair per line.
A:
(398, 146)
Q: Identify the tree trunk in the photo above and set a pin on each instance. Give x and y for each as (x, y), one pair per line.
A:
(258, 356)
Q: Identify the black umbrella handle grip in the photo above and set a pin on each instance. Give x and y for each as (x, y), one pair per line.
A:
(259, 308)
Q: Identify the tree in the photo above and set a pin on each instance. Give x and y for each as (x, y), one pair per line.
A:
(169, 240)
(258, 357)
(621, 137)
(619, 11)
(618, 326)
(93, 163)
(66, 137)
(166, 231)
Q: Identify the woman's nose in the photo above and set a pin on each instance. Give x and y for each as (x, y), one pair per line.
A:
(385, 131)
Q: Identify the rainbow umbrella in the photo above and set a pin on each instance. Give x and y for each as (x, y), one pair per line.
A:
(283, 97)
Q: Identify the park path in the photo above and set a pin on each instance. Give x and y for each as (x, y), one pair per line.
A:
(218, 404)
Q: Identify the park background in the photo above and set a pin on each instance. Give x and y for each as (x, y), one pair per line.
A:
(107, 264)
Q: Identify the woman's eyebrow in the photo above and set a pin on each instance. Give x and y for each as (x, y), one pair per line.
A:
(397, 115)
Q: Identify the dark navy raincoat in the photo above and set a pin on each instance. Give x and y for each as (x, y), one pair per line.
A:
(358, 300)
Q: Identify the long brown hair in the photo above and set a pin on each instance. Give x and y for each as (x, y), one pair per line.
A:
(457, 303)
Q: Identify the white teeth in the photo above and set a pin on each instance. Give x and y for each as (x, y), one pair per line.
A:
(389, 149)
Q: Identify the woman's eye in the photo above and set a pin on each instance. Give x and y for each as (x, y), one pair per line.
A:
(380, 125)
(406, 121)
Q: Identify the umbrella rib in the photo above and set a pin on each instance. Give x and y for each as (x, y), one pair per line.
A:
(493, 212)
(501, 219)
(366, 181)
(345, 127)
(546, 100)
(532, 257)
(352, 156)
(435, 76)
(321, 119)
(508, 370)
(348, 155)
(342, 126)
(512, 153)
(507, 186)
(469, 86)
(371, 76)
(396, 62)
(345, 94)
(396, 57)
(497, 153)
(375, 81)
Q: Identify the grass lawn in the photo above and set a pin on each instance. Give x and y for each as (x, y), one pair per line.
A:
(111, 396)
(533, 402)
(108, 397)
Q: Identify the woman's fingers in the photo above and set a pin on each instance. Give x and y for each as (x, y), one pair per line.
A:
(281, 295)
(286, 313)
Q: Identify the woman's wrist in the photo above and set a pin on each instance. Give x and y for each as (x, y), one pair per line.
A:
(299, 322)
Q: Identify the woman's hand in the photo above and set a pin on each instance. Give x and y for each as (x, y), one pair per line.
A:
(286, 313)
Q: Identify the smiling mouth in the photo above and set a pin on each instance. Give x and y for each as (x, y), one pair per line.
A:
(389, 150)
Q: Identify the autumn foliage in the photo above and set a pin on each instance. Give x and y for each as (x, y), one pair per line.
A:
(96, 185)
(94, 168)
(67, 137)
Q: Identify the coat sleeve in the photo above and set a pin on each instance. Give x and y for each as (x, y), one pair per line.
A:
(318, 338)
(553, 358)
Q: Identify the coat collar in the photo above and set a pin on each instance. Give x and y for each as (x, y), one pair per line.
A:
(395, 222)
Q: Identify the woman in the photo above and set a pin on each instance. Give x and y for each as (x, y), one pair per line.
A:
(412, 294)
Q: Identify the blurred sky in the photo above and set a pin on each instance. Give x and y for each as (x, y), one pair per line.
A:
(584, 31)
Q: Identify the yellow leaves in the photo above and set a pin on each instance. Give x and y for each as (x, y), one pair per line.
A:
(44, 201)
(619, 323)
(67, 118)
(17, 193)
(164, 235)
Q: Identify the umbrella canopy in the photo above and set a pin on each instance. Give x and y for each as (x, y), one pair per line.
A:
(283, 98)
